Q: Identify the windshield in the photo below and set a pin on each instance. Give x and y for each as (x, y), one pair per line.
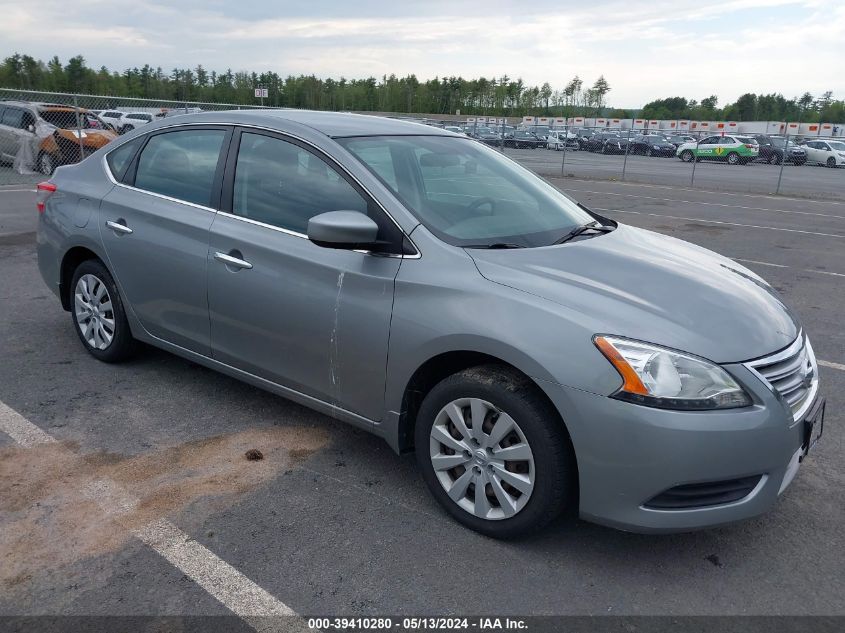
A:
(466, 193)
(66, 119)
(839, 146)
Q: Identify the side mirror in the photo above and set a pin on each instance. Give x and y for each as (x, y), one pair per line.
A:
(342, 229)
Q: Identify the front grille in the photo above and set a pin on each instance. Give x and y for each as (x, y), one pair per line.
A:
(791, 373)
(702, 495)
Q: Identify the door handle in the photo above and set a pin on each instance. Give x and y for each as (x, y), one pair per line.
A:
(117, 227)
(232, 261)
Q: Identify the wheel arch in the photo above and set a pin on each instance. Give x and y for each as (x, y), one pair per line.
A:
(441, 366)
(72, 258)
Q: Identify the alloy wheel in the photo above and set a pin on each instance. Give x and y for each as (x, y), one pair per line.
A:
(47, 164)
(482, 459)
(94, 312)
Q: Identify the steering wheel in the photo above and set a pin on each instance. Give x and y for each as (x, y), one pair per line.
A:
(475, 204)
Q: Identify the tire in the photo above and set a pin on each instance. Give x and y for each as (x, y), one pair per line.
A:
(687, 156)
(831, 162)
(93, 292)
(46, 164)
(733, 158)
(549, 470)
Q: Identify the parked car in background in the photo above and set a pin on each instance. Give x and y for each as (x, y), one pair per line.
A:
(487, 136)
(521, 138)
(76, 134)
(734, 150)
(828, 153)
(596, 141)
(112, 117)
(775, 149)
(536, 356)
(168, 112)
(540, 131)
(652, 145)
(133, 120)
(558, 139)
(679, 139)
(454, 128)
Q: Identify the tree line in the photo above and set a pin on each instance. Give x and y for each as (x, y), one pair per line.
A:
(751, 107)
(503, 96)
(441, 95)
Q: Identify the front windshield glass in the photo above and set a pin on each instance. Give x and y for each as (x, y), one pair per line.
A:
(66, 119)
(839, 146)
(466, 193)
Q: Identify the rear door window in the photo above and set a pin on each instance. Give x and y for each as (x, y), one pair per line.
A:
(181, 164)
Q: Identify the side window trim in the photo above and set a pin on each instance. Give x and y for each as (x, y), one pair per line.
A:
(228, 184)
(214, 205)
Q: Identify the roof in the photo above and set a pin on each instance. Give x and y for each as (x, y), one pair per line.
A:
(333, 124)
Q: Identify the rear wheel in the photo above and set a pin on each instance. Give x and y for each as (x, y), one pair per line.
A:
(687, 156)
(46, 164)
(98, 314)
(733, 158)
(494, 453)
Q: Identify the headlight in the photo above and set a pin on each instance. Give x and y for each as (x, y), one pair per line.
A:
(658, 377)
(657, 147)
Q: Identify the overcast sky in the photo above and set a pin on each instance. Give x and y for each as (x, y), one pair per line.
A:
(646, 50)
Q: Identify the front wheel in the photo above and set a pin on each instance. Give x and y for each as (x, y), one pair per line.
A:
(494, 453)
(98, 314)
(831, 162)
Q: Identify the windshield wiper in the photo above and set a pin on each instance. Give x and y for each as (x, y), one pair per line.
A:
(494, 245)
(578, 230)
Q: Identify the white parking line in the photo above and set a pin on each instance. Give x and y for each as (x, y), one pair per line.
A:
(230, 587)
(221, 580)
(754, 261)
(748, 226)
(20, 429)
(827, 363)
(711, 204)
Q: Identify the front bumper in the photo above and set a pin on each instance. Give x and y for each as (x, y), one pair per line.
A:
(627, 454)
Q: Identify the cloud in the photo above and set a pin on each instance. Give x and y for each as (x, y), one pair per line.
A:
(663, 48)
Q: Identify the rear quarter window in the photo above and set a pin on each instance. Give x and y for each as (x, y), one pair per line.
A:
(118, 160)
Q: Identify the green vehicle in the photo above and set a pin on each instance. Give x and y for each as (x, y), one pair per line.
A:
(734, 150)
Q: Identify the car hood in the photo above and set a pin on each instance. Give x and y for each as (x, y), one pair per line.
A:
(643, 285)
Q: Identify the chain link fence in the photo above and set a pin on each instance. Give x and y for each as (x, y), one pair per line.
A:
(803, 165)
(40, 130)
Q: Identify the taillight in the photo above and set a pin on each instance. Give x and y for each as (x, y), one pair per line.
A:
(43, 191)
(749, 146)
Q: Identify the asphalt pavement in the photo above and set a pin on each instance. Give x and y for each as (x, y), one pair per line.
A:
(805, 181)
(331, 521)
